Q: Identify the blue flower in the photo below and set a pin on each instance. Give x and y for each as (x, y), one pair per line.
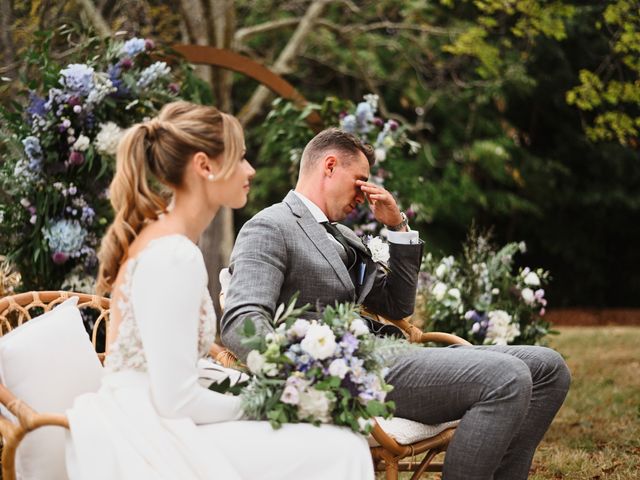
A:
(65, 237)
(132, 47)
(348, 123)
(33, 151)
(364, 117)
(152, 73)
(77, 78)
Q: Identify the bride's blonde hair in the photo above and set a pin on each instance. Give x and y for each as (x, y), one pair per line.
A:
(161, 148)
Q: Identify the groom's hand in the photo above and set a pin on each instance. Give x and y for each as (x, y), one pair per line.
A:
(382, 204)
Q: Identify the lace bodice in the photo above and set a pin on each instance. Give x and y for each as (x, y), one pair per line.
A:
(127, 351)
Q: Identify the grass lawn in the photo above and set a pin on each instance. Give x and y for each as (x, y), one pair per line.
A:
(596, 435)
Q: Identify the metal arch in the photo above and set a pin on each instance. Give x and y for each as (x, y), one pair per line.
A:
(238, 63)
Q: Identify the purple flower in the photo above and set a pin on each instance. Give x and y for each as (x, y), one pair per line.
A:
(126, 63)
(378, 122)
(59, 258)
(349, 343)
(75, 159)
(393, 125)
(174, 88)
(149, 44)
(36, 105)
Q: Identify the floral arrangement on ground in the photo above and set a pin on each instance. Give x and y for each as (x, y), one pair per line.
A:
(329, 370)
(480, 297)
(59, 150)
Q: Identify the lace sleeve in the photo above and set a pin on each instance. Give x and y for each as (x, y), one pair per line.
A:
(166, 294)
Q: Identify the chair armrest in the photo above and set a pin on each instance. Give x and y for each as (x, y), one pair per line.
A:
(223, 355)
(418, 336)
(13, 433)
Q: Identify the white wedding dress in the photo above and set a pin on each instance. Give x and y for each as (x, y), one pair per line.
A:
(152, 419)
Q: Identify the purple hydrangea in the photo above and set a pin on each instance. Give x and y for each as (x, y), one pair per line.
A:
(77, 78)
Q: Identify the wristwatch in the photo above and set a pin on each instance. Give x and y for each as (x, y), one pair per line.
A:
(401, 225)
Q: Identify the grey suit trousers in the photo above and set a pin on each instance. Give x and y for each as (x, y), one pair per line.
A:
(506, 397)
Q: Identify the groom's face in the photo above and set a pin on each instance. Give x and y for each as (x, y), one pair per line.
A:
(343, 194)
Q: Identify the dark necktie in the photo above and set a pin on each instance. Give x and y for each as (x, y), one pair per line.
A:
(335, 233)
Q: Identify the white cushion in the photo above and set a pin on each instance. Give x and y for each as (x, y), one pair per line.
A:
(406, 432)
(47, 362)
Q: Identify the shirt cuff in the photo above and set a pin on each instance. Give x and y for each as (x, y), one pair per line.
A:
(403, 238)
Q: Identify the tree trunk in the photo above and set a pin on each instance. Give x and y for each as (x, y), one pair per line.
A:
(196, 21)
(217, 240)
(223, 13)
(282, 65)
(95, 17)
(6, 40)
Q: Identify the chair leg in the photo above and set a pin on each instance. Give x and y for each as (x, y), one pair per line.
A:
(391, 470)
(424, 464)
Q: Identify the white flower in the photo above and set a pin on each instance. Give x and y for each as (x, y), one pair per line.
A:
(338, 368)
(379, 250)
(381, 154)
(495, 291)
(532, 279)
(439, 290)
(82, 143)
(290, 395)
(528, 296)
(455, 293)
(108, 138)
(500, 330)
(441, 270)
(358, 327)
(319, 342)
(255, 362)
(270, 369)
(300, 327)
(314, 405)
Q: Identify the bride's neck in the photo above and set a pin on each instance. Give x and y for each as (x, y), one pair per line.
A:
(190, 216)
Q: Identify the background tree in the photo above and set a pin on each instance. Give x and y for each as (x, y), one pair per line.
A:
(481, 85)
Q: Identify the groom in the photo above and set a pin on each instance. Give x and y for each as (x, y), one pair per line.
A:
(506, 396)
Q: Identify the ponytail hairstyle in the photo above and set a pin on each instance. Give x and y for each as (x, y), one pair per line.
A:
(160, 149)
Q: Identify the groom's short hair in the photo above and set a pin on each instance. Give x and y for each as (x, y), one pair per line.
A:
(334, 139)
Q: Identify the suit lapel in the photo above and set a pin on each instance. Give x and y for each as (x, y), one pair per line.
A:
(318, 236)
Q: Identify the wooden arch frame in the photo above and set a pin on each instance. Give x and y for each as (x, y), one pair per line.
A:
(219, 57)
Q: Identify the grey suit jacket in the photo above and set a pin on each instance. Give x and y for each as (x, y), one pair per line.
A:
(284, 250)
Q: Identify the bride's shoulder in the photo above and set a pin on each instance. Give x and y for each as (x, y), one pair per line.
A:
(170, 250)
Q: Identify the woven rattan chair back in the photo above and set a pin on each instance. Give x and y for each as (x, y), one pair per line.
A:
(18, 309)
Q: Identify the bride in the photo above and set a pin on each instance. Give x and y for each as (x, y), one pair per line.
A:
(151, 419)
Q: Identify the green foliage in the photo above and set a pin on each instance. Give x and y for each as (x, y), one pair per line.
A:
(479, 297)
(612, 91)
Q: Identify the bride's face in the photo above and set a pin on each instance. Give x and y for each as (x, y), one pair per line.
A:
(235, 190)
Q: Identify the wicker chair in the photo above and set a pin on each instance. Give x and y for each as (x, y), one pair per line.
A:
(14, 311)
(389, 455)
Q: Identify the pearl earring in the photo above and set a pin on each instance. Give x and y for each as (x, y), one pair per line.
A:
(211, 177)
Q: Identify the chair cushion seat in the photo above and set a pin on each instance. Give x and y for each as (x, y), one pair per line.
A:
(406, 432)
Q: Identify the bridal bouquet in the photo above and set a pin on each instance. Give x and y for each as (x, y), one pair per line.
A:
(327, 371)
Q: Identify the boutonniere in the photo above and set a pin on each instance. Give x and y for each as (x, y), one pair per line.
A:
(378, 249)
